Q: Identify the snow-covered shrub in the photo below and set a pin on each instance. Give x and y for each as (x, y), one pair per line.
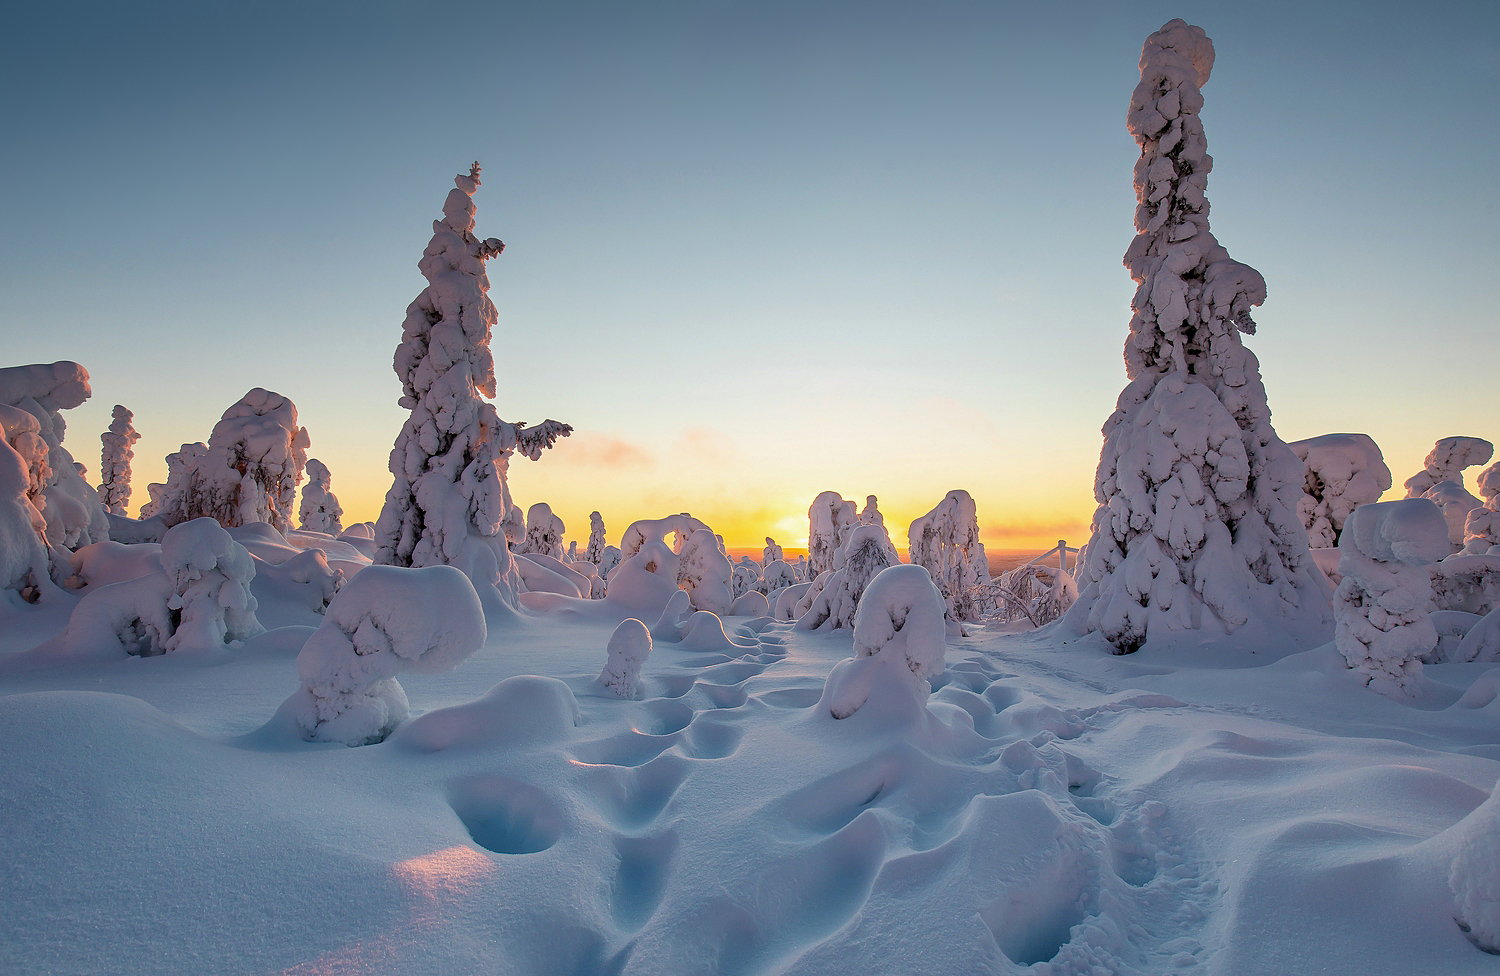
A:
(628, 648)
(384, 621)
(746, 576)
(116, 452)
(1446, 462)
(1475, 875)
(946, 543)
(1036, 592)
(69, 506)
(544, 532)
(752, 603)
(320, 510)
(865, 555)
(248, 472)
(771, 554)
(594, 552)
(900, 639)
(1197, 522)
(777, 574)
(449, 501)
(787, 600)
(1466, 582)
(210, 575)
(827, 518)
(1344, 471)
(1381, 608)
(608, 560)
(706, 573)
(1482, 528)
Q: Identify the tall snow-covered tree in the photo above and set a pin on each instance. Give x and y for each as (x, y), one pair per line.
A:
(115, 455)
(320, 510)
(594, 552)
(1197, 525)
(829, 519)
(449, 501)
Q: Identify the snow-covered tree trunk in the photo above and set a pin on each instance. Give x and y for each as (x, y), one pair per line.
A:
(115, 455)
(320, 510)
(449, 501)
(1197, 524)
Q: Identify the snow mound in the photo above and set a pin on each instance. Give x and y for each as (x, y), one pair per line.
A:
(384, 621)
(523, 711)
(1475, 875)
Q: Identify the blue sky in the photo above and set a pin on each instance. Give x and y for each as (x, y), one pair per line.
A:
(754, 250)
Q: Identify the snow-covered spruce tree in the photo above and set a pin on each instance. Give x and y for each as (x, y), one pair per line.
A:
(946, 542)
(1482, 529)
(828, 519)
(1343, 472)
(1197, 523)
(449, 501)
(866, 553)
(1446, 462)
(116, 452)
(320, 510)
(24, 562)
(771, 553)
(1456, 503)
(544, 532)
(594, 553)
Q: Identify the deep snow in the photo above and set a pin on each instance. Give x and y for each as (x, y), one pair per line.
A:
(1054, 807)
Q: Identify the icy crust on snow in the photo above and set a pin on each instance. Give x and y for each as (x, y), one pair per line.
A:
(69, 506)
(450, 500)
(900, 639)
(1344, 471)
(1197, 523)
(320, 510)
(1447, 461)
(1382, 606)
(946, 542)
(628, 648)
(117, 449)
(384, 621)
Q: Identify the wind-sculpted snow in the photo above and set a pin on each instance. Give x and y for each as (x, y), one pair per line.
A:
(1447, 461)
(899, 643)
(1197, 525)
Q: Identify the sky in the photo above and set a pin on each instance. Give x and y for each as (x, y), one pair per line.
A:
(755, 251)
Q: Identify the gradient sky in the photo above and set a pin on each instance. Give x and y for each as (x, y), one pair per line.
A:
(755, 250)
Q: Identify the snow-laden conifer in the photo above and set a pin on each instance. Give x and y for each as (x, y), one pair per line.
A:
(1343, 472)
(771, 553)
(828, 519)
(946, 543)
(1197, 522)
(1446, 462)
(544, 532)
(1482, 528)
(449, 501)
(116, 451)
(594, 552)
(320, 510)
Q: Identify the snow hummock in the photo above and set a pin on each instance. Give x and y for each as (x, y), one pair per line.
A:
(117, 448)
(449, 501)
(384, 621)
(1382, 606)
(1197, 525)
(1475, 875)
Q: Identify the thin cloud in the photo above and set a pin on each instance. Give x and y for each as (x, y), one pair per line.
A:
(602, 450)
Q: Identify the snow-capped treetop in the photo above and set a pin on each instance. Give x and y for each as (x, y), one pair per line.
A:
(320, 510)
(1411, 531)
(53, 387)
(1456, 503)
(870, 514)
(594, 553)
(946, 543)
(70, 506)
(1482, 528)
(450, 501)
(771, 554)
(115, 455)
(1344, 471)
(1197, 495)
(828, 518)
(544, 532)
(1446, 462)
